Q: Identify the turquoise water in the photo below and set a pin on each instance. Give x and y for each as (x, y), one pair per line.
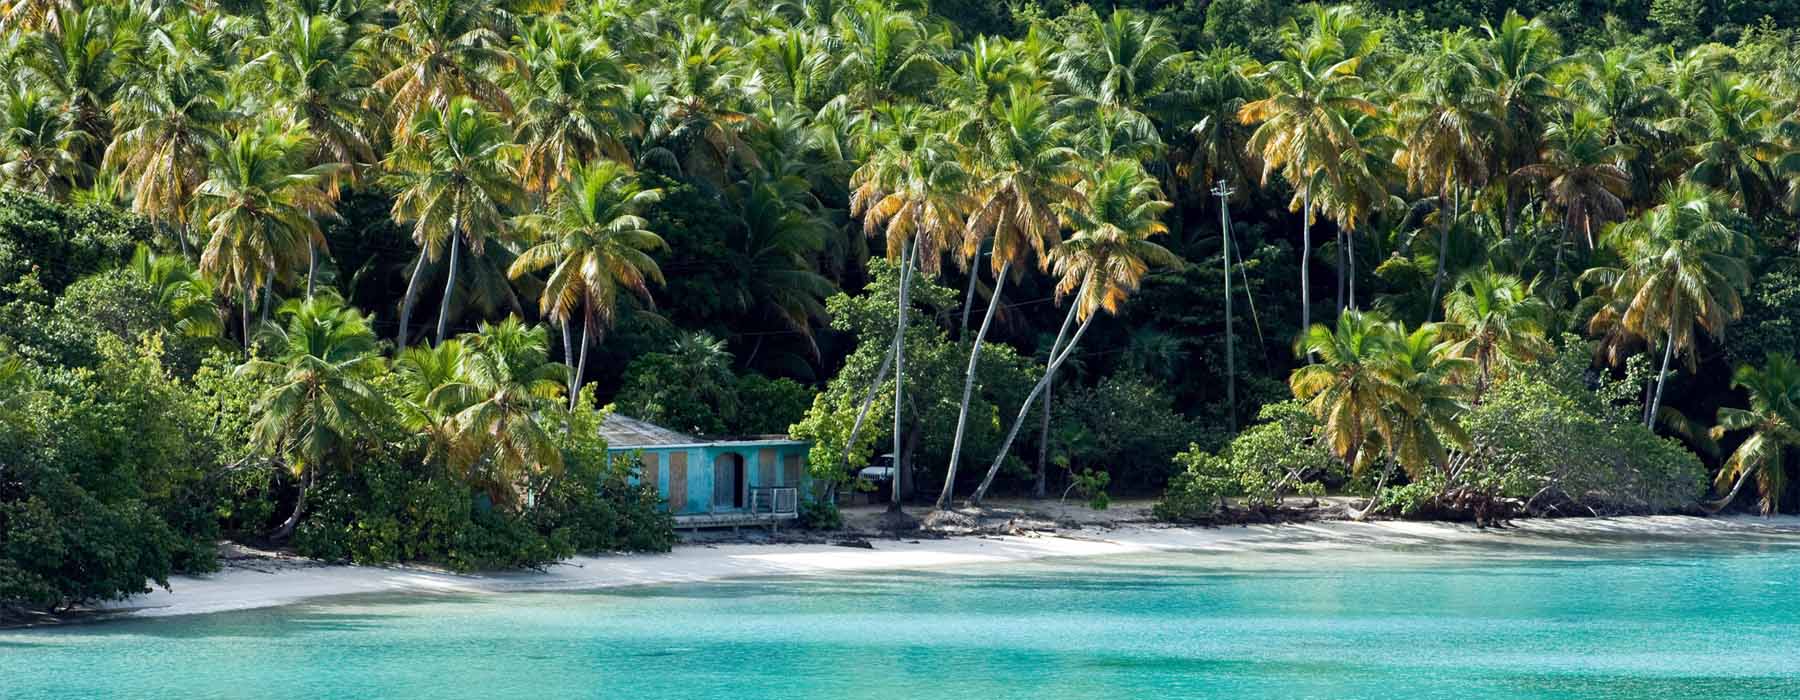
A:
(1623, 619)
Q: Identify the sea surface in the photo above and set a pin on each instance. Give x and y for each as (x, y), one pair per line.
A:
(1665, 616)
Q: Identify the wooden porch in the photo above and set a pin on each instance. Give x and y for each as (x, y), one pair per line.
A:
(767, 507)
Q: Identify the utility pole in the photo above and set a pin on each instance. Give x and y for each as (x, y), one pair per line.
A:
(1223, 191)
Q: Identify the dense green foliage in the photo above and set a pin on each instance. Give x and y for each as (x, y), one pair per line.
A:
(377, 253)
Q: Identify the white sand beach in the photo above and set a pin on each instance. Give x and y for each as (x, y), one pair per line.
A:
(256, 584)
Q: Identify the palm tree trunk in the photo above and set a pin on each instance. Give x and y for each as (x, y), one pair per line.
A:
(1339, 253)
(449, 288)
(244, 312)
(962, 416)
(862, 414)
(406, 303)
(268, 295)
(587, 326)
(1305, 259)
(1374, 499)
(1040, 485)
(286, 529)
(1437, 280)
(312, 267)
(1723, 503)
(1013, 433)
(900, 375)
(1662, 379)
(568, 341)
(1350, 254)
(969, 298)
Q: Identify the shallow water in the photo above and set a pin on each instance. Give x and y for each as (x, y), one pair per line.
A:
(1628, 617)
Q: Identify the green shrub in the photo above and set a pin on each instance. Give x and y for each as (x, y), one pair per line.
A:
(820, 514)
(1263, 465)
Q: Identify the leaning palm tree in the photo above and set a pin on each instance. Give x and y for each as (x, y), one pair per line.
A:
(912, 190)
(1685, 268)
(505, 394)
(321, 399)
(259, 209)
(1100, 265)
(594, 236)
(1496, 321)
(1031, 172)
(1304, 123)
(1773, 420)
(456, 184)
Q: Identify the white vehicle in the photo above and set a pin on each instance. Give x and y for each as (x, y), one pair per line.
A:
(880, 469)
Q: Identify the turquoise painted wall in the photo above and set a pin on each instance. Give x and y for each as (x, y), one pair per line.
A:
(765, 464)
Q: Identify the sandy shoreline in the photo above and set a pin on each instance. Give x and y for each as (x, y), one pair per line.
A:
(248, 587)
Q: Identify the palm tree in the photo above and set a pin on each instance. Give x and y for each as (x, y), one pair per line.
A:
(445, 48)
(1446, 135)
(321, 400)
(456, 184)
(1101, 264)
(1734, 142)
(499, 405)
(1353, 382)
(81, 59)
(595, 237)
(1032, 171)
(311, 68)
(1220, 87)
(185, 295)
(34, 15)
(259, 209)
(885, 52)
(1496, 321)
(38, 146)
(1119, 65)
(912, 188)
(1685, 267)
(1304, 123)
(776, 250)
(697, 128)
(1623, 86)
(572, 104)
(169, 122)
(1583, 173)
(1773, 420)
(1516, 62)
(1361, 190)
(1426, 427)
(795, 63)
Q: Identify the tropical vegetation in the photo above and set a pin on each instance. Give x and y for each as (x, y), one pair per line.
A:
(1463, 260)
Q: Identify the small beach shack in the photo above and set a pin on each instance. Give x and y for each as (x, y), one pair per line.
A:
(756, 480)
